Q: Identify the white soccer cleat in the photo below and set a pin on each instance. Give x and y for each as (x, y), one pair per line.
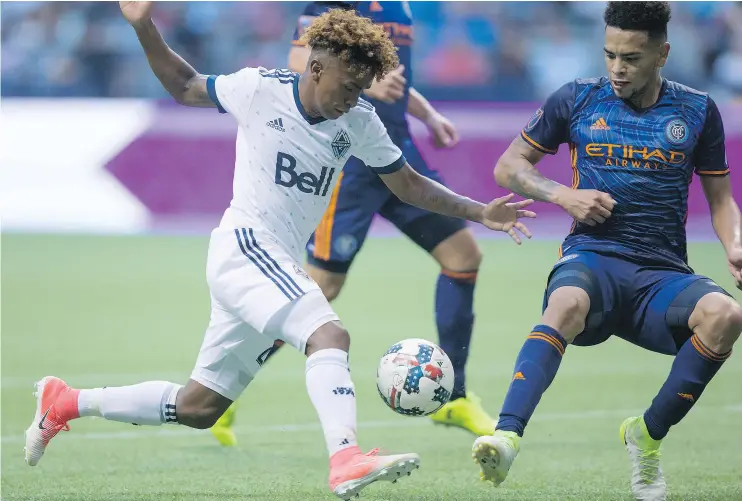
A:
(495, 455)
(647, 480)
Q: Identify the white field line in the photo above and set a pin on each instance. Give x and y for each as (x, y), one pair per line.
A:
(170, 431)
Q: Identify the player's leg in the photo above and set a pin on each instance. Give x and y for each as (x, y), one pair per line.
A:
(198, 404)
(310, 325)
(714, 322)
(577, 308)
(452, 245)
(697, 320)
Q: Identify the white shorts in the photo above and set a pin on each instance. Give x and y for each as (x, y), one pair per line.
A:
(259, 294)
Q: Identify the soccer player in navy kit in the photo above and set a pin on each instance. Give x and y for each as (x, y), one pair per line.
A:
(636, 140)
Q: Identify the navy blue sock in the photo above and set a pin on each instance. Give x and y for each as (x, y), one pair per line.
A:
(535, 368)
(454, 316)
(694, 367)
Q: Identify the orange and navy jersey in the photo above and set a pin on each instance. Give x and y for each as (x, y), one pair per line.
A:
(397, 20)
(644, 158)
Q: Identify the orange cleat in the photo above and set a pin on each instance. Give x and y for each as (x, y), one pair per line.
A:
(56, 403)
(351, 470)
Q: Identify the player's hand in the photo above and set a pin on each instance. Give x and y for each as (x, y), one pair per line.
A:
(391, 87)
(136, 12)
(590, 207)
(443, 131)
(734, 257)
(501, 215)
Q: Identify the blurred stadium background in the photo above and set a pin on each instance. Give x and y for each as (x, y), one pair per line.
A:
(108, 191)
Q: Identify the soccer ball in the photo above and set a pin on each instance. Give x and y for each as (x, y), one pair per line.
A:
(415, 377)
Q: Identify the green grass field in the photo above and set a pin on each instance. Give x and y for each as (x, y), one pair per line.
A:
(102, 311)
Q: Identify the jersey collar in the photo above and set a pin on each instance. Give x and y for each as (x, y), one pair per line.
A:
(663, 90)
(310, 120)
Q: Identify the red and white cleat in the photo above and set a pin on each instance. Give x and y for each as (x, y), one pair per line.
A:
(351, 470)
(56, 403)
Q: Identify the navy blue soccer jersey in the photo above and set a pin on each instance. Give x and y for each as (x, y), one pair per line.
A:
(397, 21)
(644, 158)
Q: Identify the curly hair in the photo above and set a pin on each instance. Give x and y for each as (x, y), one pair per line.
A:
(355, 40)
(651, 17)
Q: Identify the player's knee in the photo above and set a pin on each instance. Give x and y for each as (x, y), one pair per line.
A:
(717, 319)
(328, 336)
(458, 252)
(567, 311)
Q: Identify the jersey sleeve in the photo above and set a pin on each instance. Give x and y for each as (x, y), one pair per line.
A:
(378, 151)
(709, 156)
(549, 126)
(234, 93)
(312, 11)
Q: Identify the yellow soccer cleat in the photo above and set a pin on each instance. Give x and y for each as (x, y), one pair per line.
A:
(222, 429)
(466, 413)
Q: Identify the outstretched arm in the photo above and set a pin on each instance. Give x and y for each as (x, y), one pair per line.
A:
(418, 190)
(423, 192)
(184, 83)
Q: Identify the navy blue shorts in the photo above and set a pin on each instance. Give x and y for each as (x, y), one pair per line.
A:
(360, 194)
(648, 306)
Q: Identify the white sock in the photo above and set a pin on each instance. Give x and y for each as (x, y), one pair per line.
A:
(333, 395)
(151, 403)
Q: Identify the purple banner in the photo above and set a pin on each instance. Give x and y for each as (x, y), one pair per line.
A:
(182, 165)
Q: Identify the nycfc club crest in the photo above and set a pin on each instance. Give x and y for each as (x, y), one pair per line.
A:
(676, 131)
(341, 144)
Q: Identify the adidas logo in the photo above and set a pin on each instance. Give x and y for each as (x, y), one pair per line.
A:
(344, 442)
(276, 124)
(600, 124)
(519, 376)
(687, 396)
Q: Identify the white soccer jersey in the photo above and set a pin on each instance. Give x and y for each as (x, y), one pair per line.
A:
(288, 163)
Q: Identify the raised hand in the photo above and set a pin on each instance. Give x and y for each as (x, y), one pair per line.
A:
(136, 12)
(390, 88)
(503, 215)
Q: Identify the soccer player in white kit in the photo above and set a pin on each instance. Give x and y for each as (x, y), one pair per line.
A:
(295, 133)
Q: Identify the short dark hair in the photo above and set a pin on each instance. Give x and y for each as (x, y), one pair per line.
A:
(651, 17)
